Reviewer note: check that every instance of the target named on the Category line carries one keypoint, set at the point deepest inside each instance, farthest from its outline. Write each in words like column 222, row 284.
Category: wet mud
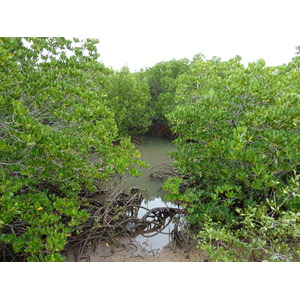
column 129, row 250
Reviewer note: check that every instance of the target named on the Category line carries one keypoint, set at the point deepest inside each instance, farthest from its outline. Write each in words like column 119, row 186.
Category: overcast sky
column 162, row 30
column 140, row 33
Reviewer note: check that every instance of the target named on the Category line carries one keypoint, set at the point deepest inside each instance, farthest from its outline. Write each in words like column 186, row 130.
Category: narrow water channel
column 155, row 152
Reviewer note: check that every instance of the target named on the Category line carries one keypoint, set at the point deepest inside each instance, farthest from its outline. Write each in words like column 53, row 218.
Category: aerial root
column 111, row 217
column 118, row 217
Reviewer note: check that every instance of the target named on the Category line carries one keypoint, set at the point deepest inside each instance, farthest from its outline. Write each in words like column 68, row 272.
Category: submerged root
column 163, row 171
column 118, row 217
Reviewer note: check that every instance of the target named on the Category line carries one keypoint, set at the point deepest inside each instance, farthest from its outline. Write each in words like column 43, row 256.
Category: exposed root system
column 114, row 218
column 114, row 215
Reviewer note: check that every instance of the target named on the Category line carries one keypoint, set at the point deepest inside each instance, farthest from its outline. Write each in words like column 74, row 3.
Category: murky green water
column 155, row 152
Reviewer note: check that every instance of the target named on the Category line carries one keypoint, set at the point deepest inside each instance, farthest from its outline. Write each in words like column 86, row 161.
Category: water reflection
column 155, row 237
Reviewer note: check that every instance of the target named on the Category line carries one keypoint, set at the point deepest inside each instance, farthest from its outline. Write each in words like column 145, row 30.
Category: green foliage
column 52, row 120
column 162, row 82
column 262, row 237
column 239, row 144
column 128, row 97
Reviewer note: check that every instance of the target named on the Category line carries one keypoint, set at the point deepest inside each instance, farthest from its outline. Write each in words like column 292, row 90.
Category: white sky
column 162, row 30
column 140, row 33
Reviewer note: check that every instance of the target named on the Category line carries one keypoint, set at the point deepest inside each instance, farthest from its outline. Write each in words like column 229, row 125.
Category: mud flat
column 129, row 250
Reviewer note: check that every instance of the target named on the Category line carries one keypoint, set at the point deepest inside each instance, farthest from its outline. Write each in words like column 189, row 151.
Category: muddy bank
column 128, row 250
